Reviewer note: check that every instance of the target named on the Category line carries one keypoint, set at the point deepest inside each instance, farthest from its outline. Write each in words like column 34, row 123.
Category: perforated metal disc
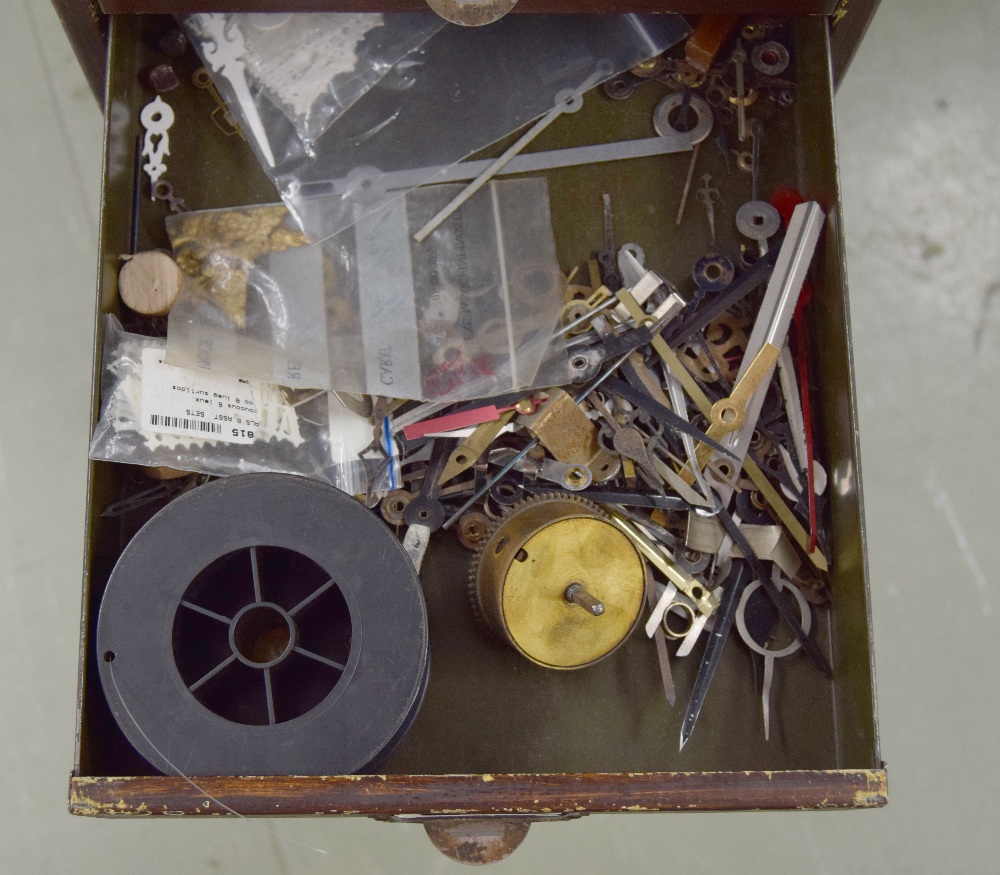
column 263, row 624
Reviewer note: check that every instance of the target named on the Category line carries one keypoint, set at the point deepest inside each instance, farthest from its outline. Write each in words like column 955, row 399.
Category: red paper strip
column 452, row 421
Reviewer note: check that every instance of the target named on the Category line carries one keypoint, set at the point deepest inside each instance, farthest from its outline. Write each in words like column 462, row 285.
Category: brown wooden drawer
column 497, row 737
column 741, row 7
column 85, row 21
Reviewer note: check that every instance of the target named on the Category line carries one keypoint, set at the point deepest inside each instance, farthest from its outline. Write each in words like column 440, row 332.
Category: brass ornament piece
column 649, row 68
column 749, row 99
column 218, row 248
column 726, row 341
column 558, row 582
column 564, row 429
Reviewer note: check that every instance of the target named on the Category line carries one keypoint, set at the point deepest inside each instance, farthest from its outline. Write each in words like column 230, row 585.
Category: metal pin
column 708, row 195
column 577, row 595
column 136, row 188
column 609, row 230
column 590, row 314
column 739, row 58
column 757, row 132
column 607, row 256
column 567, row 101
column 687, row 182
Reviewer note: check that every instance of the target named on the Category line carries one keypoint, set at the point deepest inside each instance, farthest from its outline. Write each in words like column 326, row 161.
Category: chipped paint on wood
column 79, row 803
column 469, row 795
column 875, row 794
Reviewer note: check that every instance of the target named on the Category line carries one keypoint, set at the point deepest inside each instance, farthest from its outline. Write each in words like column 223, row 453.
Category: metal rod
column 724, row 616
column 565, row 102
column 577, row 595
column 687, row 183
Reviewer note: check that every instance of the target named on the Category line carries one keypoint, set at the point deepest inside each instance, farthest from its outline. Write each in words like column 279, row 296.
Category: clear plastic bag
column 463, row 90
column 470, row 312
column 154, row 414
column 306, row 68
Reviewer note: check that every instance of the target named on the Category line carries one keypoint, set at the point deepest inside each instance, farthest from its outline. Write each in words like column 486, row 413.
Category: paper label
column 388, row 302
column 181, row 401
column 415, row 543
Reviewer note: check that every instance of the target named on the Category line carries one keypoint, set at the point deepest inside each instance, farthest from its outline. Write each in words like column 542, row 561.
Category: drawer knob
column 477, row 841
column 472, row 13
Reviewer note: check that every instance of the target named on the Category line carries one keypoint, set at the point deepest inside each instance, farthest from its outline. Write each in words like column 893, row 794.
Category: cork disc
column 150, row 282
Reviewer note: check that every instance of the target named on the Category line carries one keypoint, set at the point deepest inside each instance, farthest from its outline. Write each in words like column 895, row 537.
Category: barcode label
column 191, row 403
column 176, row 422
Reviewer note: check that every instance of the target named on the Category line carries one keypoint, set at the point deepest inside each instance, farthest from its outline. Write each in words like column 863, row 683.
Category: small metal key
column 708, row 195
column 759, row 221
column 164, row 191
column 629, row 443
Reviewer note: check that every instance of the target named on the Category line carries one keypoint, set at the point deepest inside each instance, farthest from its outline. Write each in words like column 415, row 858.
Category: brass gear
column 473, row 529
column 543, row 551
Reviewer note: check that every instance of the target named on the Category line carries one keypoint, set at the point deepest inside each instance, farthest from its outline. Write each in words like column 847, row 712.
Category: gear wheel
column 477, row 554
column 472, row 586
column 558, row 582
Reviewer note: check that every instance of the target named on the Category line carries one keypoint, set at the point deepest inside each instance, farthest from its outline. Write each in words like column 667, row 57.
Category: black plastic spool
column 264, row 625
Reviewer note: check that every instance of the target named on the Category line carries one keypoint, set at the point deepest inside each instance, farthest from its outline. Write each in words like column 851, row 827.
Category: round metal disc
column 770, row 58
column 713, row 273
column 664, row 126
column 758, row 220
column 264, row 624
column 540, row 621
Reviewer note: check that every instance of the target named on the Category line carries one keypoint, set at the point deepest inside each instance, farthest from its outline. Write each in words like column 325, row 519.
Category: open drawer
column 498, row 737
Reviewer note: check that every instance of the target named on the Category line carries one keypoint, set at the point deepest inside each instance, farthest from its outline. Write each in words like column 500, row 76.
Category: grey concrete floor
column 920, row 150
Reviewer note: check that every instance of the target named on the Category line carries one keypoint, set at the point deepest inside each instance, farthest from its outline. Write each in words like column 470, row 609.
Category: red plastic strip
column 785, row 200
column 452, row 421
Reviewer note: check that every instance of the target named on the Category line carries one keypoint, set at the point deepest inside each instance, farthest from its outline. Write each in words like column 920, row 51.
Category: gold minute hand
column 729, row 414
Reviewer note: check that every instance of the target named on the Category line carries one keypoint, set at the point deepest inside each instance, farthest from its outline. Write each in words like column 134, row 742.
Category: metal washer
column 702, row 128
column 758, row 220
column 770, row 58
column 383, row 681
